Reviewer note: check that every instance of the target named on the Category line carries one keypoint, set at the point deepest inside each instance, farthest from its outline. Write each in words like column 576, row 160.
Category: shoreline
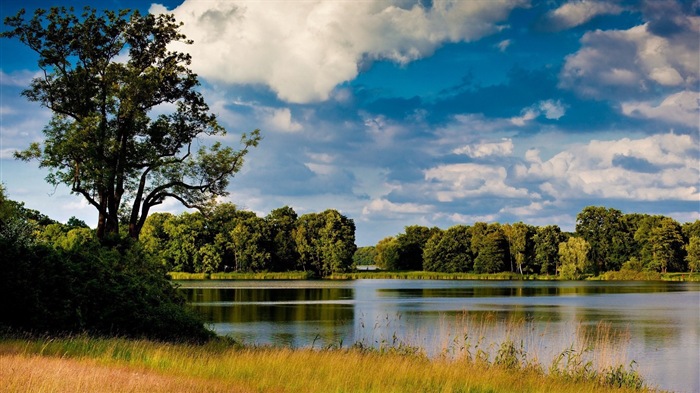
column 423, row 275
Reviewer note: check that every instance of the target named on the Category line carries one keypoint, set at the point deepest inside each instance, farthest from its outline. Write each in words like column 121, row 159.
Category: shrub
column 115, row 290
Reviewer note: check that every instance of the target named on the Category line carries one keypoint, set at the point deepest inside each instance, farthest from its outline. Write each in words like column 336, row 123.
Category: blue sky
column 427, row 112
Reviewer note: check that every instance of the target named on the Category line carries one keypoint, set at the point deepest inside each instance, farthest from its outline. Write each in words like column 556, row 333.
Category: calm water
column 656, row 324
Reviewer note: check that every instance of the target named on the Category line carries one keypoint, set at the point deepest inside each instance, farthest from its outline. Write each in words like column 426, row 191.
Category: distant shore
column 423, row 275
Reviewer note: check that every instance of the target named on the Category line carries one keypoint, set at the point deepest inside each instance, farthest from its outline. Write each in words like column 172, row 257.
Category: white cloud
column 526, row 115
column 681, row 108
column 552, row 110
column 578, row 12
column 659, row 167
column 468, row 218
column 321, row 164
column 302, row 50
column 503, row 45
column 372, row 182
column 280, row 119
column 456, row 181
column 627, row 63
column 533, row 209
column 385, row 207
column 486, row 149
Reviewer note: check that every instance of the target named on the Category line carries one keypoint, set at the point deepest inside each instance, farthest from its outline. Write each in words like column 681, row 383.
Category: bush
column 90, row 288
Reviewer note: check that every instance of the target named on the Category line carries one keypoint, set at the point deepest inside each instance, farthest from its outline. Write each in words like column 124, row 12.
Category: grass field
column 108, row 365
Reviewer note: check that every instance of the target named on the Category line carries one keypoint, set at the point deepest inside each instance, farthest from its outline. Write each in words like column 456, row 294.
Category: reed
column 241, row 276
column 469, row 363
column 423, row 275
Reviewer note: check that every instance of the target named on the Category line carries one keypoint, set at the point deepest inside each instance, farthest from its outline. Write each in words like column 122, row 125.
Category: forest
column 228, row 239
column 604, row 240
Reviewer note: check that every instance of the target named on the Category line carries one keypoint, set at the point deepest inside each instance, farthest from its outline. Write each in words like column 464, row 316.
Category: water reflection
column 657, row 324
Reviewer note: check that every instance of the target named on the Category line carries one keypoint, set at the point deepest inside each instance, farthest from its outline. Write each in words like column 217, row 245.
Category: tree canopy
column 126, row 113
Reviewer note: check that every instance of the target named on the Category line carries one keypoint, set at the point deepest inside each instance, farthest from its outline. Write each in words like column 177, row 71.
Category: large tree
column 607, row 233
column 108, row 78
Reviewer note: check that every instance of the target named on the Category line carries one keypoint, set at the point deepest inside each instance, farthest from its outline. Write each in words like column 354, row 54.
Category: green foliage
column 103, row 73
column 411, row 246
column 251, row 244
column 325, row 242
column 87, row 287
column 667, row 246
column 387, row 254
column 547, row 241
column 449, row 251
column 607, row 233
column 493, row 252
column 573, row 255
column 693, row 254
column 364, row 256
column 281, row 223
column 521, row 245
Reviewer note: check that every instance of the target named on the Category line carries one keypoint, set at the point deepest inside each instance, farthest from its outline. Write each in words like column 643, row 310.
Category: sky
column 432, row 113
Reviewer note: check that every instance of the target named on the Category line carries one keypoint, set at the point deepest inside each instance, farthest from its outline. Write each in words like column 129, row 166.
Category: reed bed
column 241, row 276
column 467, row 363
column 423, row 275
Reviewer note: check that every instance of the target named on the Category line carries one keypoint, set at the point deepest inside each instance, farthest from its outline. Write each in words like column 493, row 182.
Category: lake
column 656, row 324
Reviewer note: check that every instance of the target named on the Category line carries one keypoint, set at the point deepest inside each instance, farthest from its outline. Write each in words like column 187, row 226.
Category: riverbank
column 423, row 275
column 105, row 365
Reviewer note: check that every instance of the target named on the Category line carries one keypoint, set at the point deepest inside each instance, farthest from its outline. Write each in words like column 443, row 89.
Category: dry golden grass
column 32, row 373
column 96, row 365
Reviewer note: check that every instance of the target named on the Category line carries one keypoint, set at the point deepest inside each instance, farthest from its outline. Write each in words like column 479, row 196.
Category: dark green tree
column 387, row 253
column 644, row 252
column 606, row 231
column 547, row 241
column 691, row 229
column 692, row 257
column 493, row 253
column 104, row 141
column 281, row 223
column 364, row 256
column 411, row 245
column 325, row 242
column 667, row 246
column 251, row 239
column 449, row 251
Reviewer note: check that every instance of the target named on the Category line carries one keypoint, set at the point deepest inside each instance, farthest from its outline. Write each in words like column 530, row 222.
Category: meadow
column 82, row 363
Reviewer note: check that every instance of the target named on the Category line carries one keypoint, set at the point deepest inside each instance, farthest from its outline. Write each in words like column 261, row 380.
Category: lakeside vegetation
column 103, row 365
column 423, row 275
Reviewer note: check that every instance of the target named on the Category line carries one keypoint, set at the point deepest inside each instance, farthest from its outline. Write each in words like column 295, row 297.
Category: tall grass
column 242, row 276
column 469, row 363
column 423, row 275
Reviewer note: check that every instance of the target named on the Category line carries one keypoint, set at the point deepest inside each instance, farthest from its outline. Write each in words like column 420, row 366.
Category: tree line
column 229, row 239
column 604, row 240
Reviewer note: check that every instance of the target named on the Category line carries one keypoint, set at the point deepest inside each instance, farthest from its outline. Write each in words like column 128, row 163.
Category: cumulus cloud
column 302, row 50
column 385, row 207
column 659, row 167
column 321, row 164
column 280, row 119
column 681, row 108
column 486, row 149
column 456, row 181
column 578, row 12
column 633, row 62
column 552, row 110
